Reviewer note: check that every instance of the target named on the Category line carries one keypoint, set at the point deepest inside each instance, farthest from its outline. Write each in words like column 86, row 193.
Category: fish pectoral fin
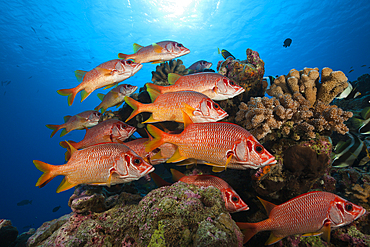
column 188, row 110
column 186, row 119
column 176, row 157
column 326, row 231
column 65, row 185
column 101, row 96
column 106, row 72
column 273, row 239
column 157, row 48
column 111, row 171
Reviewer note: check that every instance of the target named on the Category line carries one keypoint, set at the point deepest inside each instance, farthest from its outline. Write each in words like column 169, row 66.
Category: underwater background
column 44, row 42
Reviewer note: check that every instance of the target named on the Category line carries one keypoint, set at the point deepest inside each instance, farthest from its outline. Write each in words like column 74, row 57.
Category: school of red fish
column 104, row 157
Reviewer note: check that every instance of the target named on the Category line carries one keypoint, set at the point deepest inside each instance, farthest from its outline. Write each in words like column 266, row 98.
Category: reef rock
column 160, row 75
column 177, row 215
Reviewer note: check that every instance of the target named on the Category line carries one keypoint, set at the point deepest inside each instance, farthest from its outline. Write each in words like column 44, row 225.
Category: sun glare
column 172, row 9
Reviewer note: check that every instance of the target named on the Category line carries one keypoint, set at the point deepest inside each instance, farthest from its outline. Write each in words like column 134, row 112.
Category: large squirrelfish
column 115, row 97
column 110, row 130
column 80, row 121
column 214, row 85
column 169, row 107
column 233, row 202
column 219, row 144
column 311, row 214
column 106, row 75
column 101, row 164
column 157, row 52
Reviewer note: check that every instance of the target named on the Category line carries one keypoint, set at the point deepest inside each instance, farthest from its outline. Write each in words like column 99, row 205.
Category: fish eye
column 349, row 207
column 180, row 45
column 129, row 62
column 232, row 83
column 137, row 161
column 235, row 199
column 216, row 106
column 258, row 149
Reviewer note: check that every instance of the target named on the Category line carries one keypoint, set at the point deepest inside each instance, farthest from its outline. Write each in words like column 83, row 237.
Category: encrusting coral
column 299, row 109
column 160, row 75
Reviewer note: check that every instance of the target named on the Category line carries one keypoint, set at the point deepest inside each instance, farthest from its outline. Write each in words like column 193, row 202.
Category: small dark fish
column 4, row 92
column 56, row 209
column 20, row 46
column 351, row 67
column 225, row 54
column 350, row 71
column 363, row 65
column 5, row 83
column 287, row 42
column 24, row 202
column 47, row 38
column 33, row 29
column 30, row 77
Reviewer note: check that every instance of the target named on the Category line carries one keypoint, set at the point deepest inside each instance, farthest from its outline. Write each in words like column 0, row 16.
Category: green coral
column 158, row 237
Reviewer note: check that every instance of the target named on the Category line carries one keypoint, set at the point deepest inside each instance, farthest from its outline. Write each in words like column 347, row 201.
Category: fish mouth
column 242, row 209
column 148, row 170
column 271, row 161
column 363, row 211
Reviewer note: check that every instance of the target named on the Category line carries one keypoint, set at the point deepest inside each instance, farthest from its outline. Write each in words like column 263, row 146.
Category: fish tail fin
column 48, row 170
column 248, row 230
column 71, row 93
column 157, row 138
column 135, row 105
column 54, row 127
column 158, row 180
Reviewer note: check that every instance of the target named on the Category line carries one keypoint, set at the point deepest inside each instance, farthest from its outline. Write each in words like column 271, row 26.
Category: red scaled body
column 312, row 213
column 219, row 144
column 214, row 85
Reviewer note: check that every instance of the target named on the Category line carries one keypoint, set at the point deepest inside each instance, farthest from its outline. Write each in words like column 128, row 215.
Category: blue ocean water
column 44, row 42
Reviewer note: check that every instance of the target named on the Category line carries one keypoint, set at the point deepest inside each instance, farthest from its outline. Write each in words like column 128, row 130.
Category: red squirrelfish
column 80, row 121
column 233, row 202
column 169, row 107
column 214, row 85
column 110, row 130
column 115, row 97
column 313, row 213
column 218, row 144
column 106, row 75
column 199, row 66
column 101, row 164
column 157, row 52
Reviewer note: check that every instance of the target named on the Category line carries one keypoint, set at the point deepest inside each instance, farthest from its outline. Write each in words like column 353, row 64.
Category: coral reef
column 290, row 116
column 160, row 75
column 177, row 215
column 8, row 233
column 248, row 74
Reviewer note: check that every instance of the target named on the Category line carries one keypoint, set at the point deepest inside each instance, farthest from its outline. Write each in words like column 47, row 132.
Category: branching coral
column 160, row 75
column 291, row 116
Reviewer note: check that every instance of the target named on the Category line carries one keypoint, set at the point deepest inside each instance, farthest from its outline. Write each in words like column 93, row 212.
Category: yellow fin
column 80, row 75
column 187, row 120
column 135, row 105
column 63, row 133
column 104, row 71
column 218, row 50
column 312, row 234
column 326, row 232
column 72, row 148
column 176, row 175
column 218, row 168
column 157, row 48
column 228, row 161
column 150, row 120
column 176, row 157
column 137, row 47
column 101, row 96
column 172, row 78
column 267, row 205
column 272, row 239
column 111, row 85
column 153, row 93
column 84, row 95
column 365, row 113
column 66, row 118
column 157, row 156
column 188, row 109
column 65, row 185
column 158, row 61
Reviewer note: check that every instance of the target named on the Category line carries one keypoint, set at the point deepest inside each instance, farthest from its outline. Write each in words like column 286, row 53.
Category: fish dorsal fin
column 157, row 48
column 137, row 47
column 72, row 148
column 272, row 239
column 153, row 94
column 66, row 118
column 158, row 180
column 176, row 175
column 80, row 75
column 172, row 78
column 267, row 205
column 103, row 71
column 365, row 113
column 326, row 231
column 101, row 96
column 187, row 120
column 176, row 157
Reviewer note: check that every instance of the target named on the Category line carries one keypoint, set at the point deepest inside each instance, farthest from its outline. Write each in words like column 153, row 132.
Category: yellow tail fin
column 135, row 105
column 71, row 93
column 47, row 169
column 54, row 127
column 157, row 138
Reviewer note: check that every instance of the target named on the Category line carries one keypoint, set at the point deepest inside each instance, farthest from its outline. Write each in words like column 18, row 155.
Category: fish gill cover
column 296, row 114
